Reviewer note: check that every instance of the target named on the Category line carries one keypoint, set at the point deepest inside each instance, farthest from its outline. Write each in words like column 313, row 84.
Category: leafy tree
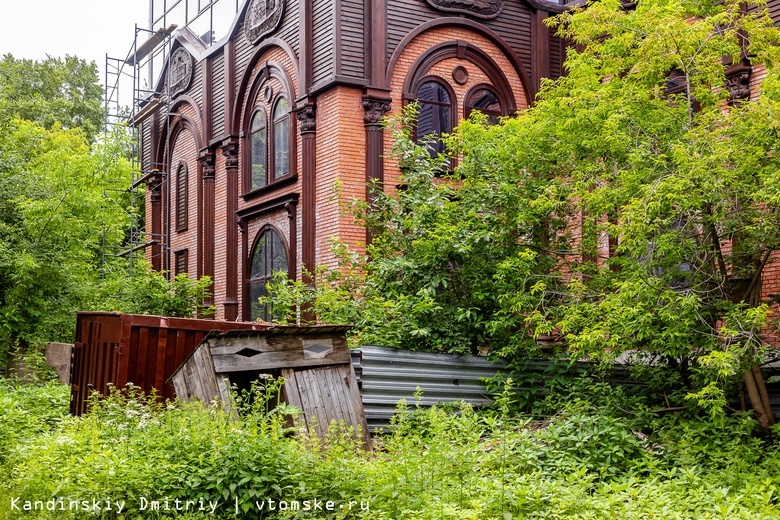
column 684, row 185
column 52, row 91
column 448, row 252
column 151, row 292
column 684, row 189
column 56, row 213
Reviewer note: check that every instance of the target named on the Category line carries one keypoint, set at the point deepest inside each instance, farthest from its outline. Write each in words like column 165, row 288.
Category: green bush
column 435, row 463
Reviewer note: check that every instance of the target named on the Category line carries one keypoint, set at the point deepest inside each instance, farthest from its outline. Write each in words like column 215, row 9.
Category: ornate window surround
column 257, row 97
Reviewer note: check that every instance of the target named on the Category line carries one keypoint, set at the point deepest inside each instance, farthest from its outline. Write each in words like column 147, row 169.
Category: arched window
column 281, row 116
column 486, row 101
column 181, row 197
column 259, row 140
column 435, row 115
column 268, row 256
column 270, row 154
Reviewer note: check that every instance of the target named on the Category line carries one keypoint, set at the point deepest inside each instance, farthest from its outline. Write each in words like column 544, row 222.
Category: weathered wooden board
column 326, row 394
column 282, row 351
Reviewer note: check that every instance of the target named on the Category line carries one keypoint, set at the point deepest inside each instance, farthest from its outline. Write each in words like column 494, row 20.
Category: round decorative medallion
column 262, row 17
column 181, row 66
column 460, row 75
column 268, row 93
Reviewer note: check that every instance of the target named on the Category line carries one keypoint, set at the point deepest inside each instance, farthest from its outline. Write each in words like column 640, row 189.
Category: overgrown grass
column 584, row 462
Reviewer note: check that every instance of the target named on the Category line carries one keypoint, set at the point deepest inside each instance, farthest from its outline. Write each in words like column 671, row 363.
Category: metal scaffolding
column 139, row 74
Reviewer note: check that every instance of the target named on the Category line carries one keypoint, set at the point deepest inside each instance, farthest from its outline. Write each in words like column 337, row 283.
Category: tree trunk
column 759, row 397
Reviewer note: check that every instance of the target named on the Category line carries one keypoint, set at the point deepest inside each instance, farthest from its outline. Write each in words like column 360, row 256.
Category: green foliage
column 147, row 291
column 446, row 252
column 27, row 411
column 52, row 92
column 55, row 218
column 589, row 461
column 682, row 185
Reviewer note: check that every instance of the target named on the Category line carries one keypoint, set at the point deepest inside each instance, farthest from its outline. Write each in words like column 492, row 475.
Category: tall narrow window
column 435, row 116
column 486, row 101
column 259, row 141
column 181, row 197
column 268, row 257
column 281, row 138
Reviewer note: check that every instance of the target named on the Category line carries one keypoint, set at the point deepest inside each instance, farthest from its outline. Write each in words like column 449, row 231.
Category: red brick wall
column 341, row 159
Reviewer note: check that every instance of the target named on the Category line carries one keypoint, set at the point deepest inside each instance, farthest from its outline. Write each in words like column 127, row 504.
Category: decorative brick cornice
column 374, row 109
column 307, row 118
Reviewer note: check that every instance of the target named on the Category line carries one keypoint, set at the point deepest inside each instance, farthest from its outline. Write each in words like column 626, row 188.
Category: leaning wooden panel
column 314, row 361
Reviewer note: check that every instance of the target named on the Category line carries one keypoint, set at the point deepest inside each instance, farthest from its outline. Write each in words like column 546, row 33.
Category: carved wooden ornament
column 480, row 8
column 181, row 71
column 262, row 17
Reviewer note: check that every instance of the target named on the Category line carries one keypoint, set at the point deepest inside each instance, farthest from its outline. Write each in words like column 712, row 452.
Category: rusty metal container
column 143, row 350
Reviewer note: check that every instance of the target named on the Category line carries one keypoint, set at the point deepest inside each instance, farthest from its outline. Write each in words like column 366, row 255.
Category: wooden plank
column 223, row 386
column 291, row 395
column 277, row 359
column 312, row 401
column 179, row 383
column 208, row 375
column 357, row 401
column 205, row 375
column 339, row 408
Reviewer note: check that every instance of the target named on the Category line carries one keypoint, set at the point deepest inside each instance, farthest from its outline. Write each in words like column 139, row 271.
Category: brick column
column 230, row 151
column 308, row 124
column 154, row 186
column 206, row 264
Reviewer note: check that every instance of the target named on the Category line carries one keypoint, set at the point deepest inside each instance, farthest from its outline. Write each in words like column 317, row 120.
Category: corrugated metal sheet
column 127, row 348
column 388, row 375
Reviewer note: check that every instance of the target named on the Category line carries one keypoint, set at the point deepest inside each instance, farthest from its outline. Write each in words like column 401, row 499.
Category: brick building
column 261, row 126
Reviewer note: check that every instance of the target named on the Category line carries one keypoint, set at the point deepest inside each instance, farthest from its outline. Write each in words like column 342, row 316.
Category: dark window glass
column 281, row 138
column 259, row 150
column 435, row 116
column 268, row 257
column 485, row 101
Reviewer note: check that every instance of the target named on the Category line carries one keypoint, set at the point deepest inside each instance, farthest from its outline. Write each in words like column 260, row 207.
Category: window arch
column 485, row 99
column 269, row 255
column 258, row 149
column 436, row 113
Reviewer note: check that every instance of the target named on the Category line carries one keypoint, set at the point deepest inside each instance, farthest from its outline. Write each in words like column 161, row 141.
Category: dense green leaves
column 55, row 221
column 590, row 460
column 631, row 209
column 52, row 91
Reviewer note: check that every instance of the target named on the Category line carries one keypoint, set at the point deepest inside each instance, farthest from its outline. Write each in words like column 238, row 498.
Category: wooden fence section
column 114, row 348
column 314, row 361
